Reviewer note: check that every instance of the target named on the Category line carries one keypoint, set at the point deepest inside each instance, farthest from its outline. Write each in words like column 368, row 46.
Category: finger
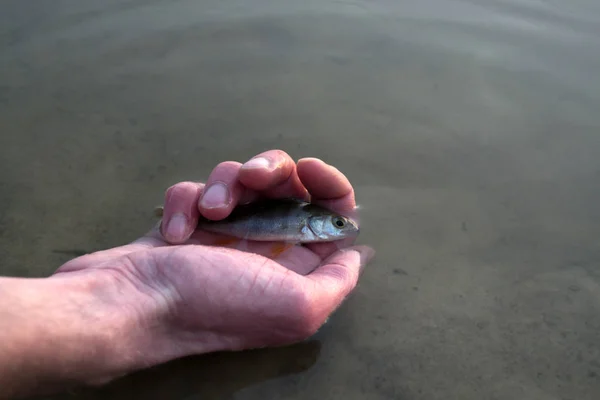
column 180, row 214
column 299, row 259
column 222, row 191
column 337, row 276
column 326, row 249
column 326, row 184
column 273, row 173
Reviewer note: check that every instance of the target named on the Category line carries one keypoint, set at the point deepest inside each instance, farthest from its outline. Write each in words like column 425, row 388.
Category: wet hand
column 232, row 297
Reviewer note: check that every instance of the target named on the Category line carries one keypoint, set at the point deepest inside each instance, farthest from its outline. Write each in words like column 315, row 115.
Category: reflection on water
column 469, row 128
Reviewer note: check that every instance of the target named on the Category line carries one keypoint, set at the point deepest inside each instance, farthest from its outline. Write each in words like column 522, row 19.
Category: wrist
column 132, row 317
column 84, row 327
column 121, row 326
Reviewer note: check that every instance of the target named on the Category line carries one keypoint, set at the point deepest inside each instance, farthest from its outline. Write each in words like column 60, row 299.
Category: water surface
column 470, row 130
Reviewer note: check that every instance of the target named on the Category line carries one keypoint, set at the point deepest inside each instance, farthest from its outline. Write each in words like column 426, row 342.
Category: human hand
column 208, row 298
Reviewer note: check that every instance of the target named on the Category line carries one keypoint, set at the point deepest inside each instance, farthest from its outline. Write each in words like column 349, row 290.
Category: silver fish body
column 285, row 220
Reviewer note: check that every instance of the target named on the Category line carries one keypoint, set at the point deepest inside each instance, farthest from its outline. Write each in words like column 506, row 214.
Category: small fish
column 281, row 220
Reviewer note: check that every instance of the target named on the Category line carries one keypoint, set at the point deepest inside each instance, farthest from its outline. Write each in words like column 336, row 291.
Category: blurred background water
column 470, row 130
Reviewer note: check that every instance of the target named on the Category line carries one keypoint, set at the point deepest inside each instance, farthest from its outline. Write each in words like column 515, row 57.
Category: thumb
column 338, row 275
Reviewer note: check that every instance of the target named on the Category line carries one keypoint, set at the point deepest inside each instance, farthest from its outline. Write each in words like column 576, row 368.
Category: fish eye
column 339, row 222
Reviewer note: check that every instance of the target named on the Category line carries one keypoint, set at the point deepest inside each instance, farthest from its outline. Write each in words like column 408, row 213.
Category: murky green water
column 471, row 130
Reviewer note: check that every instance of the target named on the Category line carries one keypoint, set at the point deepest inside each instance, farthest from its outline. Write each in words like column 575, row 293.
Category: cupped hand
column 220, row 295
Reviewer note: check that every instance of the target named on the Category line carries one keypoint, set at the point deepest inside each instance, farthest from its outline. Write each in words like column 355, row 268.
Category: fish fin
column 279, row 248
column 158, row 211
column 225, row 241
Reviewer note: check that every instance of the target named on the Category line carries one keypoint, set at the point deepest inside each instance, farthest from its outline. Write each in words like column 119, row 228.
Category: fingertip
column 180, row 212
column 216, row 201
column 347, row 264
column 309, row 160
column 340, row 270
column 222, row 191
column 367, row 253
column 355, row 256
column 177, row 228
column 266, row 170
column 314, row 162
column 182, row 189
column 326, row 184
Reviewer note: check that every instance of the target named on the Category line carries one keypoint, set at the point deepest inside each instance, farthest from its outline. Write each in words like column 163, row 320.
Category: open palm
column 225, row 294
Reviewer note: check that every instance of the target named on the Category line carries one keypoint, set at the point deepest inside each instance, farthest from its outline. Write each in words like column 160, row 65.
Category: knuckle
column 181, row 188
column 338, row 271
column 228, row 166
column 281, row 153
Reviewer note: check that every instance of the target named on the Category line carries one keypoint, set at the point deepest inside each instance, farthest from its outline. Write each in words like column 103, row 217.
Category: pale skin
column 172, row 293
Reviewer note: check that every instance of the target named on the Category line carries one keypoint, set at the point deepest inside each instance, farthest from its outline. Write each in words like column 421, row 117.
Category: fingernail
column 216, row 196
column 258, row 163
column 177, row 226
